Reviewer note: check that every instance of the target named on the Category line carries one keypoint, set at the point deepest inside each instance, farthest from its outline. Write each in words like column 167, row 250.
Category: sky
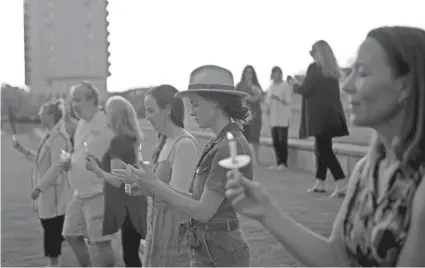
column 161, row 41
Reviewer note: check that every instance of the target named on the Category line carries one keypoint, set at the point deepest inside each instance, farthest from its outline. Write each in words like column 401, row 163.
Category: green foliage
column 136, row 97
column 26, row 105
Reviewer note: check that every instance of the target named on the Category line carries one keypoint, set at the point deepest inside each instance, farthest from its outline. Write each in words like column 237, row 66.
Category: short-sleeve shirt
column 118, row 204
column 96, row 134
column 209, row 174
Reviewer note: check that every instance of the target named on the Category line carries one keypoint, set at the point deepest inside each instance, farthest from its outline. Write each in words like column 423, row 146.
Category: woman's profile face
column 45, row 118
column 154, row 114
column 375, row 94
column 203, row 111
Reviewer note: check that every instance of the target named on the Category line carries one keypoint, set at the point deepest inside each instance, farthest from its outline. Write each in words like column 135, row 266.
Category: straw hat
column 211, row 78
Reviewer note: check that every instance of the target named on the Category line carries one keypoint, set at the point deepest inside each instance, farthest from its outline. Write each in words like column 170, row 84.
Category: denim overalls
column 220, row 241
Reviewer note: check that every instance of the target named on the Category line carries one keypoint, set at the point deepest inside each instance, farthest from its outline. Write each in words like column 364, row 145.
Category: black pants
column 326, row 158
column 280, row 144
column 53, row 236
column 130, row 240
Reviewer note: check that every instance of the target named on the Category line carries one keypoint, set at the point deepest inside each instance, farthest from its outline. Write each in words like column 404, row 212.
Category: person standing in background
column 322, row 115
column 278, row 105
column 252, row 130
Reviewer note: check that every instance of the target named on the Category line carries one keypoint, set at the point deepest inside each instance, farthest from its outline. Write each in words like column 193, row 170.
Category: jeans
column 218, row 249
column 280, row 144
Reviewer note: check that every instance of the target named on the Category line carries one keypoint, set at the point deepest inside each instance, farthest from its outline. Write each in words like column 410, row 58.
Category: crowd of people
column 90, row 179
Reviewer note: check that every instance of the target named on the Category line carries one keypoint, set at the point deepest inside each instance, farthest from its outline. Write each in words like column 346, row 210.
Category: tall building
column 66, row 41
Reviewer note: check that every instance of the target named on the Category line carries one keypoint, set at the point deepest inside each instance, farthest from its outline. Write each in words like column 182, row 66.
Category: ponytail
column 157, row 150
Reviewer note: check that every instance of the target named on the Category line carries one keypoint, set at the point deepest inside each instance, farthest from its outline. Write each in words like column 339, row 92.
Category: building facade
column 66, row 42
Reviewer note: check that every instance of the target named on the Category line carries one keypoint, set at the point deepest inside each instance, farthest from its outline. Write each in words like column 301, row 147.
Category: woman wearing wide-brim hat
column 213, row 233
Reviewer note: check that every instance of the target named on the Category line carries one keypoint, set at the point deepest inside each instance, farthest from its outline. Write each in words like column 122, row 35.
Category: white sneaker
column 281, row 167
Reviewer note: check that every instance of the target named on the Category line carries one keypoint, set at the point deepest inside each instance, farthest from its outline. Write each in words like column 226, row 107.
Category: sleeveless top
column 375, row 228
column 162, row 168
column 163, row 221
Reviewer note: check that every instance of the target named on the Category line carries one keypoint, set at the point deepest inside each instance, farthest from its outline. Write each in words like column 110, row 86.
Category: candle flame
column 230, row 136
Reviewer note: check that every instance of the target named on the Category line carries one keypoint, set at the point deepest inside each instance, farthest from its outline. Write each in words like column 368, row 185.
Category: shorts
column 84, row 217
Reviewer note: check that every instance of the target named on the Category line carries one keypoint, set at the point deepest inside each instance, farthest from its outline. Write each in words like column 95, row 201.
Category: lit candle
column 232, row 147
column 86, row 148
column 140, row 155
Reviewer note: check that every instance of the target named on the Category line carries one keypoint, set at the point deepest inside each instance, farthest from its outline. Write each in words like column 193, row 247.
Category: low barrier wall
column 301, row 152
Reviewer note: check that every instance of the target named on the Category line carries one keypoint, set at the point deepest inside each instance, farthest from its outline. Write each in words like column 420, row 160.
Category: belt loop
column 228, row 227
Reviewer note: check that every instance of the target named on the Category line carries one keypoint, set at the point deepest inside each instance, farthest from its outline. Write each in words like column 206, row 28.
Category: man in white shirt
column 84, row 215
column 278, row 103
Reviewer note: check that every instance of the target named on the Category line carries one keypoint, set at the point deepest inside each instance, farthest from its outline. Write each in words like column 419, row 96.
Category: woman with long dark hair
column 213, row 231
column 381, row 220
column 173, row 161
column 252, row 129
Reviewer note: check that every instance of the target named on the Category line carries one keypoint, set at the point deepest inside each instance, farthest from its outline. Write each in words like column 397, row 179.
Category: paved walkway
column 287, row 187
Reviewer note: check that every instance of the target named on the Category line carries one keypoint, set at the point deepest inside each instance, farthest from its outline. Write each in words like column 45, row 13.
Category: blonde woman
column 51, row 188
column 322, row 115
column 122, row 211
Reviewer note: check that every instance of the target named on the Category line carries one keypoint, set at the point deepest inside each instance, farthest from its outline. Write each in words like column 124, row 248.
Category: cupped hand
column 248, row 197
column 143, row 174
column 124, row 175
column 65, row 164
column 91, row 163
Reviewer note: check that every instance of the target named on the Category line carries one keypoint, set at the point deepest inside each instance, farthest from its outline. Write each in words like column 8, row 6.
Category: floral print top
column 375, row 227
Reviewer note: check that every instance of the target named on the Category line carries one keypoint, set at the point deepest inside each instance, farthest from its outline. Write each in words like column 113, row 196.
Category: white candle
column 140, row 155
column 86, row 149
column 232, row 147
